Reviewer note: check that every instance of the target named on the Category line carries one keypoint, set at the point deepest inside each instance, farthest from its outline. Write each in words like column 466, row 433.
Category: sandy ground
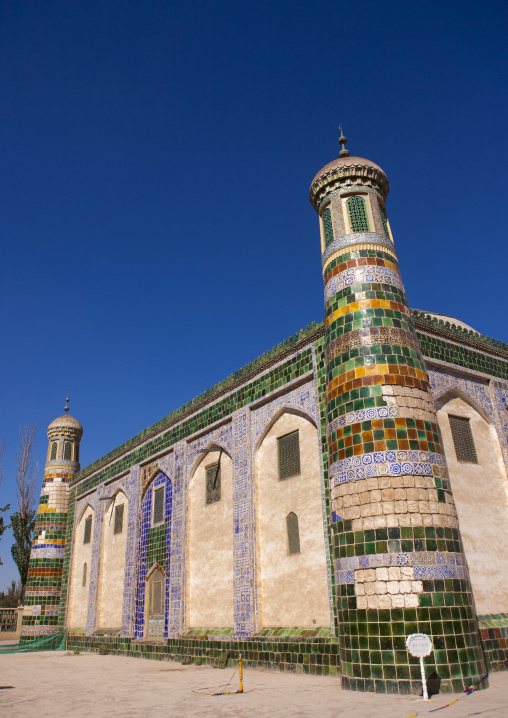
column 55, row 684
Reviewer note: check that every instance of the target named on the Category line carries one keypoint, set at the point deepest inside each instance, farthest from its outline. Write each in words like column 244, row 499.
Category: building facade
column 345, row 489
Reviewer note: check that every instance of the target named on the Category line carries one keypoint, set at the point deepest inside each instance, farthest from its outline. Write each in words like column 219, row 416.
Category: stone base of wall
column 494, row 633
column 303, row 652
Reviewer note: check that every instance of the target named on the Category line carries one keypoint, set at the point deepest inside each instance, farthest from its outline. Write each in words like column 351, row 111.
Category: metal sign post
column 419, row 645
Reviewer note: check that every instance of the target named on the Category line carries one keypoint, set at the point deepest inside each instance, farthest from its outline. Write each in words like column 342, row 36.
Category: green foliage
column 11, row 598
column 103, row 651
column 23, row 529
column 3, row 525
column 198, row 661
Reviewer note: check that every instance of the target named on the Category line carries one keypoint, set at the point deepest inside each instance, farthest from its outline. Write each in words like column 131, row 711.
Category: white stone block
column 385, row 601
column 394, row 573
column 411, row 600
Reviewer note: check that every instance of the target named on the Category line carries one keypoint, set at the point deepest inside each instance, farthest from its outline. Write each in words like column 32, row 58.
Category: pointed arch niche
column 292, row 587
column 112, row 565
column 210, row 542
column 480, row 493
column 81, row 554
column 154, row 548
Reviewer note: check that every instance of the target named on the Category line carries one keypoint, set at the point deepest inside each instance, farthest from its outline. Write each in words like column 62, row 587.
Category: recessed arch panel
column 282, row 573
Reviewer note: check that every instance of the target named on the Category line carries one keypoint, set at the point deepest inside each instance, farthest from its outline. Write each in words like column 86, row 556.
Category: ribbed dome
column 341, row 162
column 66, row 421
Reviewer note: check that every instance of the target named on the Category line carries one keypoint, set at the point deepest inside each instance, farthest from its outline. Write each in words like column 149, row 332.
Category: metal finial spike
column 67, row 402
column 342, row 142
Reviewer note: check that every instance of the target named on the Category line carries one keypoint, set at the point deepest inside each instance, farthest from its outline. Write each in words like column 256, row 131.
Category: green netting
column 54, row 642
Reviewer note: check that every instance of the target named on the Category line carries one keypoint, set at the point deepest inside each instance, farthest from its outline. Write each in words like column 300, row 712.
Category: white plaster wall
column 480, row 496
column 292, row 590
column 112, row 567
column 82, row 553
column 210, row 549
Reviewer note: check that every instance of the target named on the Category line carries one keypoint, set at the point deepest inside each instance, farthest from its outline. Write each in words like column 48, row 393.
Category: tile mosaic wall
column 154, row 548
column 399, row 563
column 494, row 633
column 46, row 569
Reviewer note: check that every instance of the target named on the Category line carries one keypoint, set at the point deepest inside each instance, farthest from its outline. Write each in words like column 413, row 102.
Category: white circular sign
column 419, row 645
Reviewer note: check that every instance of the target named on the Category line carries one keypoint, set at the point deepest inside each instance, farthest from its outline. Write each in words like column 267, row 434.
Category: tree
column 23, row 520
column 3, row 525
column 10, row 599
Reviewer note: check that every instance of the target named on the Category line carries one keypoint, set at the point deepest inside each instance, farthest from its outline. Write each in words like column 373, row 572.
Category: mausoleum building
column 344, row 490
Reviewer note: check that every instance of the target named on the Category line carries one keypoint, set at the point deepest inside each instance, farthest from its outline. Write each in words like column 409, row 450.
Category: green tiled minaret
column 43, row 590
column 399, row 565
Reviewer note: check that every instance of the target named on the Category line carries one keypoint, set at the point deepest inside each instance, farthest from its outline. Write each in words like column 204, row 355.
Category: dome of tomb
column 447, row 318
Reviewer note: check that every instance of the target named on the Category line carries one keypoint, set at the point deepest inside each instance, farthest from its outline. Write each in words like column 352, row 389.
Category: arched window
column 76, row 452
column 83, row 582
column 327, row 226
column 293, row 533
column 357, row 213
column 384, row 221
column 53, row 451
column 67, row 451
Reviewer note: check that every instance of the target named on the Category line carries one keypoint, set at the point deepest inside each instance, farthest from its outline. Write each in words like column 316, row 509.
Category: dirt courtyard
column 54, row 684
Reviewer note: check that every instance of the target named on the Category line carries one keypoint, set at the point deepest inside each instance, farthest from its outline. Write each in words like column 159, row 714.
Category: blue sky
column 156, row 157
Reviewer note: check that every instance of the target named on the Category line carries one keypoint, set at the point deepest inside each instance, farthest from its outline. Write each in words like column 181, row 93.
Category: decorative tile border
column 385, row 463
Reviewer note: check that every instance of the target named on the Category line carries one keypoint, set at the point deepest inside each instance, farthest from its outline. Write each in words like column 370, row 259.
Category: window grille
column 158, row 506
column 213, row 484
column 53, row 451
column 83, row 582
column 157, row 598
column 293, row 532
column 327, row 226
column 384, row 221
column 463, row 442
column 88, row 530
column 289, row 455
column 118, row 519
column 67, row 450
column 357, row 212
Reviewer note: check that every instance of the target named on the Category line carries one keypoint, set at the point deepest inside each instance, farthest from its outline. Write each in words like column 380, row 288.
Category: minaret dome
column 64, row 435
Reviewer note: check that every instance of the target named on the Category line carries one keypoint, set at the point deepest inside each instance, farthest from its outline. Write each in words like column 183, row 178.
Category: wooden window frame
column 292, row 536
column 461, row 442
column 115, row 520
column 281, row 439
column 87, row 533
column 163, row 489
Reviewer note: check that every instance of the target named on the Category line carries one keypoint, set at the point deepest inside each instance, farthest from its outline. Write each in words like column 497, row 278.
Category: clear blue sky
column 156, row 157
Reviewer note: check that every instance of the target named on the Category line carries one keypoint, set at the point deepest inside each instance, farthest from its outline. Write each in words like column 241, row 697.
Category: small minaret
column 399, row 561
column 42, row 596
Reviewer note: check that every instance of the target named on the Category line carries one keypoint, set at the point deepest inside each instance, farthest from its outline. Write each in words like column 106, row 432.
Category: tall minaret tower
column 42, row 596
column 399, row 561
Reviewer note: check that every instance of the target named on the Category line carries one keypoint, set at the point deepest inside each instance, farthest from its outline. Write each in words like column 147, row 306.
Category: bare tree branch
column 27, row 470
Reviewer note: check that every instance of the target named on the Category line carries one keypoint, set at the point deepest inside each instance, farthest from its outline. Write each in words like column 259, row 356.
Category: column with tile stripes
column 399, row 561
column 43, row 589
